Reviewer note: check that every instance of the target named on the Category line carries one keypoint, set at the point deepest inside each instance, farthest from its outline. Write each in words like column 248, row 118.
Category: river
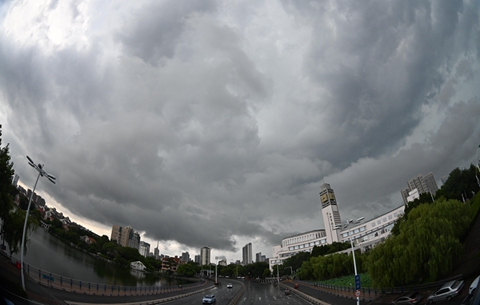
column 50, row 254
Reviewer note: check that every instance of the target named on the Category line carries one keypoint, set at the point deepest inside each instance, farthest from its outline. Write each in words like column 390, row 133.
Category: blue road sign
column 357, row 281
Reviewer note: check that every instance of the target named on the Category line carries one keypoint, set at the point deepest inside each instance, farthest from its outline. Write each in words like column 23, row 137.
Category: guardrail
column 56, row 281
column 370, row 294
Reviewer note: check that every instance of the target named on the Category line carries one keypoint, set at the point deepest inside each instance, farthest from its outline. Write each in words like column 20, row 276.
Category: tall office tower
column 156, row 252
column 144, row 248
column 330, row 213
column 134, row 240
column 423, row 184
column 205, row 256
column 259, row 258
column 125, row 236
column 185, row 257
column 116, row 233
column 197, row 259
column 432, row 186
column 247, row 254
column 40, row 201
column 15, row 179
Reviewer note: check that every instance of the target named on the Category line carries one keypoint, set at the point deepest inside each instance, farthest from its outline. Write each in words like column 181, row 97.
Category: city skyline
column 215, row 123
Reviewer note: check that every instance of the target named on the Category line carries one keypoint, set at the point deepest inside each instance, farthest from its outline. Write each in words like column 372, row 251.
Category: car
column 209, row 299
column 410, row 298
column 287, row 291
column 229, row 285
column 474, row 285
column 446, row 292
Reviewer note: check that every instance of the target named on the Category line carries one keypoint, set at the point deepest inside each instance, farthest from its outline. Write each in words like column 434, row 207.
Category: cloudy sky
column 214, row 123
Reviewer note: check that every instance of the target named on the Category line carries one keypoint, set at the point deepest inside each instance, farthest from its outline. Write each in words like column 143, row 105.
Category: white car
column 474, row 285
column 229, row 285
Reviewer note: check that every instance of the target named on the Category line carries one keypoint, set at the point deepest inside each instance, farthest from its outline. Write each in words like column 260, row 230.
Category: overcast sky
column 214, row 123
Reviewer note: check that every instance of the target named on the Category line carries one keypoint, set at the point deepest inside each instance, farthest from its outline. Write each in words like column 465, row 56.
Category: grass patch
column 349, row 281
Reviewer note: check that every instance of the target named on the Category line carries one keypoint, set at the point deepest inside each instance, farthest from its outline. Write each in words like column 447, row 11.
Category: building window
column 384, row 219
column 373, row 224
column 362, row 229
column 379, row 222
column 390, row 217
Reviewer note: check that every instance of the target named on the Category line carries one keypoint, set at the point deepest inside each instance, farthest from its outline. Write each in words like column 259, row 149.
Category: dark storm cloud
column 215, row 123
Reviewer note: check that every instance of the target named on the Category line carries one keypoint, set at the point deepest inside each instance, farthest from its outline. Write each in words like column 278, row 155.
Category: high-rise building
column 330, row 213
column 15, row 179
column 205, row 256
column 144, row 248
column 247, row 256
column 156, row 252
column 197, row 259
column 423, row 185
column 125, row 236
column 259, row 258
column 185, row 257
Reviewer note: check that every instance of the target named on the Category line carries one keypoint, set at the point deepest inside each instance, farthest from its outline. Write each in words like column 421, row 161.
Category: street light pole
column 350, row 233
column 51, row 178
column 355, row 267
column 278, row 280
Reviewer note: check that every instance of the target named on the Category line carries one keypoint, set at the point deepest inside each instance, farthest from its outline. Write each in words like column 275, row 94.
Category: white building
column 205, row 256
column 365, row 235
column 144, row 248
column 137, row 265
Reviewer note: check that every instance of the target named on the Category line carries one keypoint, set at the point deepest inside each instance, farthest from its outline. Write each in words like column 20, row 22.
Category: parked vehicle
column 474, row 285
column 446, row 292
column 411, row 298
column 209, row 299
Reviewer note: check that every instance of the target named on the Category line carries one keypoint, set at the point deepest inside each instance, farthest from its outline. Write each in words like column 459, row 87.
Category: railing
column 73, row 285
column 369, row 294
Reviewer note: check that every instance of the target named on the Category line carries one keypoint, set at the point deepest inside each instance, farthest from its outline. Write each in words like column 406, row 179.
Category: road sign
column 357, row 293
column 357, row 281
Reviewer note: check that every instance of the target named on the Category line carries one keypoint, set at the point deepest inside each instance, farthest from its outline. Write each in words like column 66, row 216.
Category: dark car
column 209, row 299
column 410, row 298
column 287, row 291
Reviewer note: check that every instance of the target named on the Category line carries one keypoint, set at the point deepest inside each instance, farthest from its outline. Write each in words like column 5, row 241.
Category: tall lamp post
column 357, row 278
column 41, row 172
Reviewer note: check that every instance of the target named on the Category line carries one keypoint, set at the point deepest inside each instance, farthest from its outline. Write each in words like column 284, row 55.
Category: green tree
column 13, row 224
column 186, row 270
column 427, row 247
column 6, row 174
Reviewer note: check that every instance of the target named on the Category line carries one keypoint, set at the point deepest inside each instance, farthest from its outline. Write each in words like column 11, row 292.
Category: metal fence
column 369, row 293
column 74, row 285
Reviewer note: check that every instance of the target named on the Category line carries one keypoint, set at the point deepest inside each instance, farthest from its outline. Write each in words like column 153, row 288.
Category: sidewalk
column 11, row 283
